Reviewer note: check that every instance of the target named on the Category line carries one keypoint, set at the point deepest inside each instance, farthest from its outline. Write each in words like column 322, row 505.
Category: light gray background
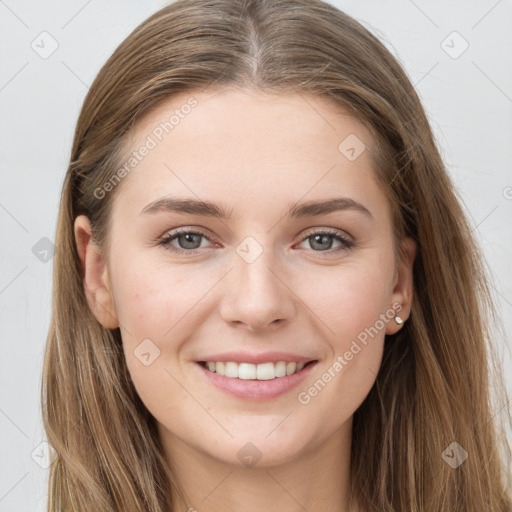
column 468, row 100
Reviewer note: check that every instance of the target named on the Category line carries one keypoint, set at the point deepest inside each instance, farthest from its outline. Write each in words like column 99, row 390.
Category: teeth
column 247, row 371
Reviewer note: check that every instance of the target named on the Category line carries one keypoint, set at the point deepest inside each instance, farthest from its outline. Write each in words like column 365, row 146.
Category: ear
column 404, row 286
column 95, row 275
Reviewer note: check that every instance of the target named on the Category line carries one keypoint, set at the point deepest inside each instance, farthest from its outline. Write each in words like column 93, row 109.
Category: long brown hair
column 433, row 387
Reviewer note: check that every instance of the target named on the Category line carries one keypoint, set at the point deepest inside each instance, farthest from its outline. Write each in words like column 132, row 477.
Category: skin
column 255, row 154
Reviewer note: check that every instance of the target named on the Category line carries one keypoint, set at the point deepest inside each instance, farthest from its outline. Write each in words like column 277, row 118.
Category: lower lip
column 257, row 390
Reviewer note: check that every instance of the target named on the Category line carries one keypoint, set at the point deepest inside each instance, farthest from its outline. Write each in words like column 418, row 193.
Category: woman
column 207, row 351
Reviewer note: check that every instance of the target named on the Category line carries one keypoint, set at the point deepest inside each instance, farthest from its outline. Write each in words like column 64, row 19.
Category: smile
column 255, row 382
column 248, row 371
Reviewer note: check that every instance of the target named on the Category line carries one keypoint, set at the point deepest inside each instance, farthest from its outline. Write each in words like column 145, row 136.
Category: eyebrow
column 197, row 207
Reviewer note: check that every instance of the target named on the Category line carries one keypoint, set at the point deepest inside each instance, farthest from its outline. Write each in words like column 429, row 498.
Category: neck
column 318, row 478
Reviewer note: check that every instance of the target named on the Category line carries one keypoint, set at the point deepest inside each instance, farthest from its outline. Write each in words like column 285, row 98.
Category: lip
column 264, row 357
column 257, row 390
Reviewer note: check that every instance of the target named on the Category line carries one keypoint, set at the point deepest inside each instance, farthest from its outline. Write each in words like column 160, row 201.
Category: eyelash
column 346, row 242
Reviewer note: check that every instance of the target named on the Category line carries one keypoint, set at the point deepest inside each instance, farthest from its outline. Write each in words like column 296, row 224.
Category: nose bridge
column 256, row 295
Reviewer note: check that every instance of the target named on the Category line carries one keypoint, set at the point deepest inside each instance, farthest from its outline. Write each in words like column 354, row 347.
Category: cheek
column 151, row 303
column 160, row 309
column 353, row 305
column 348, row 299
column 154, row 325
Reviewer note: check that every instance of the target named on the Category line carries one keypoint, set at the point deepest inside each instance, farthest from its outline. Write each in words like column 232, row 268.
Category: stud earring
column 399, row 321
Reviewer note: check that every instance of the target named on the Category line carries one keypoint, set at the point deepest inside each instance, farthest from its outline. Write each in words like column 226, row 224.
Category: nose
column 256, row 295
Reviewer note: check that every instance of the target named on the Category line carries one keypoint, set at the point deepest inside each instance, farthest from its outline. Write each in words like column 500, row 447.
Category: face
column 272, row 279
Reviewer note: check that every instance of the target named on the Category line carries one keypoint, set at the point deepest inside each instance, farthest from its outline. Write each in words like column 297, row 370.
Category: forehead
column 247, row 147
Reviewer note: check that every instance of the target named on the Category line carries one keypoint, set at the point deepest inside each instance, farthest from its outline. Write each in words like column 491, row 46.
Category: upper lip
column 264, row 357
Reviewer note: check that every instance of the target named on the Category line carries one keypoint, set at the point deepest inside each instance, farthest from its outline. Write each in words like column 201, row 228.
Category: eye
column 189, row 240
column 321, row 240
